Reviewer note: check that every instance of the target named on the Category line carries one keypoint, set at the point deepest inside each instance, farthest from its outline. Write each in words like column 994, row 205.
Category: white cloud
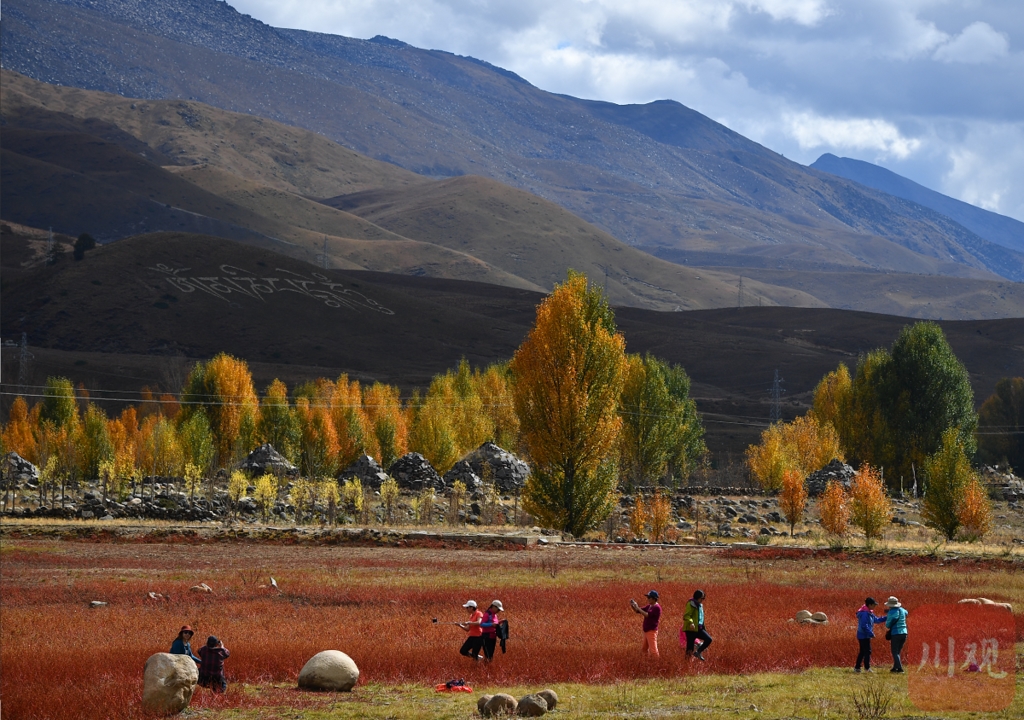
column 881, row 80
column 978, row 43
column 813, row 131
column 804, row 12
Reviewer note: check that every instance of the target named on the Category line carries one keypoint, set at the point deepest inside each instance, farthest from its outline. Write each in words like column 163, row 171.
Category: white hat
column 470, row 604
column 497, row 604
column 892, row 602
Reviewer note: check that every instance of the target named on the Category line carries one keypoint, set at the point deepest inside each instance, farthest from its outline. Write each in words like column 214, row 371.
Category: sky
column 930, row 89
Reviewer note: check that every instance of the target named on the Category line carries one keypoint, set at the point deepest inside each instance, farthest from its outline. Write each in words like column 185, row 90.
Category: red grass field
column 567, row 611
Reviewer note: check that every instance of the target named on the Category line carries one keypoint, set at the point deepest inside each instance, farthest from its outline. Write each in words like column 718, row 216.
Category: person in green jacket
column 693, row 626
column 896, row 624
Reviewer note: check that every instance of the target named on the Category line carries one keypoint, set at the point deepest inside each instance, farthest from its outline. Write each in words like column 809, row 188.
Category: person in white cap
column 489, row 623
column 896, row 631
column 475, row 634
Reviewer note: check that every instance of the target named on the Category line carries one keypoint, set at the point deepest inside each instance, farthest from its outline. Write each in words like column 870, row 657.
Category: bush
column 793, row 499
column 948, row 473
column 834, row 507
column 975, row 511
column 870, row 507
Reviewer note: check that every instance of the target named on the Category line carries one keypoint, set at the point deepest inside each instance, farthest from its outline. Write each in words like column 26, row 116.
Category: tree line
column 586, row 415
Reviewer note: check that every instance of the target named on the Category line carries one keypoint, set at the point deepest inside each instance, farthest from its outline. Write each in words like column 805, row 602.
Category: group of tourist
column 484, row 630
column 697, row 639
column 210, row 661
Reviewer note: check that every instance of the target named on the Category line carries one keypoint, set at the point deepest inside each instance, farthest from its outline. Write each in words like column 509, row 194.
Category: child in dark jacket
column 866, row 621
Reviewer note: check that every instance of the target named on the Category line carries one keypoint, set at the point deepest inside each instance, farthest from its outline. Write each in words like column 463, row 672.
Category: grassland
column 572, row 629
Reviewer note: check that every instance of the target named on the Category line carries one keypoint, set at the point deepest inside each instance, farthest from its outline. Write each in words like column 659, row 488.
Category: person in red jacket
column 211, row 671
column 652, row 618
column 475, row 640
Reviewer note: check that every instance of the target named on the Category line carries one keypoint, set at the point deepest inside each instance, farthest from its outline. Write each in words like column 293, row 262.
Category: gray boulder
column 168, row 683
column 836, row 470
column 365, row 468
column 413, row 472
column 19, row 470
column 550, row 697
column 531, row 706
column 265, row 459
column 329, row 670
column 463, row 471
column 500, row 704
column 506, row 471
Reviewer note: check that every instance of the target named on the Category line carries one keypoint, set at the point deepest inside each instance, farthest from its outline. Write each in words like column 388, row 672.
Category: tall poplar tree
column 567, row 381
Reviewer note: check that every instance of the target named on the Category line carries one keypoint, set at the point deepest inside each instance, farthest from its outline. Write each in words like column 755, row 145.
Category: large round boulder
column 500, row 704
column 819, row 617
column 803, row 616
column 329, row 670
column 481, row 702
column 168, row 683
column 531, row 706
column 550, row 697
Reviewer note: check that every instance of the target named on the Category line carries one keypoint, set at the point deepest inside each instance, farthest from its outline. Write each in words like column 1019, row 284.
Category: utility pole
column 776, row 394
column 24, row 356
column 741, row 292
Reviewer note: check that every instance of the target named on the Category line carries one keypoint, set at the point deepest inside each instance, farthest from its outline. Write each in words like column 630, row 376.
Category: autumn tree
column 277, row 423
column 388, row 431
column 495, row 390
column 318, row 444
column 870, row 507
column 804, row 445
column 160, row 452
column 58, row 406
column 793, row 498
column 948, row 473
column 834, row 508
column 432, row 432
column 196, row 441
column 95, row 441
column 124, row 438
column 661, row 432
column 568, row 376
column 660, row 516
column 351, row 424
column 832, row 402
column 975, row 511
column 1001, row 425
column 18, row 434
column 223, row 389
column 638, row 518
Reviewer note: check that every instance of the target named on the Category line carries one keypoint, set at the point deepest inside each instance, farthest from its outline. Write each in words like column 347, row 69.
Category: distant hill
column 991, row 226
column 133, row 309
column 658, row 176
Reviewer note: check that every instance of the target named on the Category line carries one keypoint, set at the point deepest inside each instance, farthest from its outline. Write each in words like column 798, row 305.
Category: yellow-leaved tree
column 804, row 445
column 223, row 388
column 567, row 380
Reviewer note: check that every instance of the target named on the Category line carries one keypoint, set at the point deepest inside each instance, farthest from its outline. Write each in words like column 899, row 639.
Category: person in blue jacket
column 866, row 621
column 182, row 644
column 896, row 623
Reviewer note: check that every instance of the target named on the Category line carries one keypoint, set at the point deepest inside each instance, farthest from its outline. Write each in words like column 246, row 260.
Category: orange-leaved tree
column 223, row 388
column 18, row 432
column 804, row 445
column 834, row 508
column 661, row 514
column 793, row 498
column 567, row 380
column 870, row 507
column 388, row 432
column 975, row 511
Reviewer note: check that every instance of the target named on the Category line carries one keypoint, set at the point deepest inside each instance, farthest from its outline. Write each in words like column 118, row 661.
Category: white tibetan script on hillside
column 235, row 281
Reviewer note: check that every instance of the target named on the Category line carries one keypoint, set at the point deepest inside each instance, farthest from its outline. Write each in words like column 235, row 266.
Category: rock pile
column 366, row 469
column 413, row 472
column 836, row 470
column 265, row 459
column 532, row 705
column 463, row 471
column 506, row 471
column 19, row 470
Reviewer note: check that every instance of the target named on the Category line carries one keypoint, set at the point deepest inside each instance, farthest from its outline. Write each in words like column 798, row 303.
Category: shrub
column 949, row 473
column 352, row 495
column 870, row 507
column 638, row 518
column 265, row 494
column 660, row 514
column 834, row 507
column 793, row 499
column 389, row 498
column 975, row 511
column 455, row 497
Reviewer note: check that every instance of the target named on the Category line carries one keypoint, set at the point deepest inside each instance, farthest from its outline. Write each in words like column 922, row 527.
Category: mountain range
column 659, row 177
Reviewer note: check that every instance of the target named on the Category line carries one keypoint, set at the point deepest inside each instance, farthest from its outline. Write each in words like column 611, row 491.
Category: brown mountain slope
column 117, row 319
column 658, row 174
column 536, row 239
